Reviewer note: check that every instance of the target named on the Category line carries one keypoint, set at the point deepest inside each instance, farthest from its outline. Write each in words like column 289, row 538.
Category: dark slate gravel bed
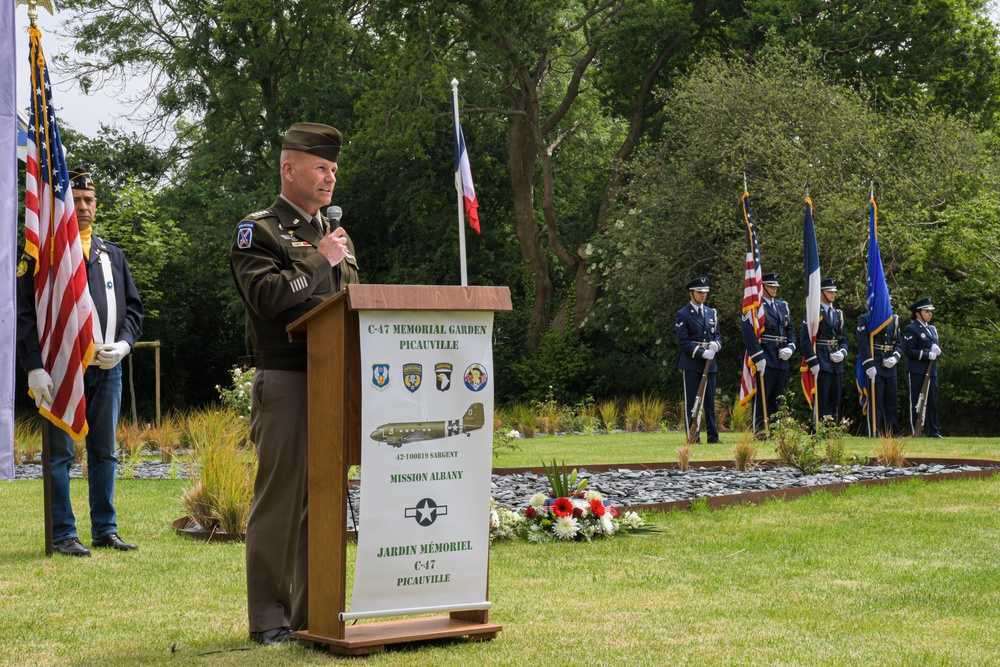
column 144, row 470
column 627, row 488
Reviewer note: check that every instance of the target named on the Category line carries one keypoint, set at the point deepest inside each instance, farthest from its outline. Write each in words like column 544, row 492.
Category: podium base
column 366, row 638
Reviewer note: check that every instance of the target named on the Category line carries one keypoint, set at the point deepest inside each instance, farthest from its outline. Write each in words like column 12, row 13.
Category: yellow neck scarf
column 85, row 237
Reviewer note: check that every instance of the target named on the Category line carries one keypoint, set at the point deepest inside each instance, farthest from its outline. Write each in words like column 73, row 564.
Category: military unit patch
column 412, row 375
column 22, row 268
column 476, row 377
column 380, row 376
column 244, row 234
column 442, row 376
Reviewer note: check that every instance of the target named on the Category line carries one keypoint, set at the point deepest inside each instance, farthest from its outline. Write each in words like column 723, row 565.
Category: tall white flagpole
column 458, row 186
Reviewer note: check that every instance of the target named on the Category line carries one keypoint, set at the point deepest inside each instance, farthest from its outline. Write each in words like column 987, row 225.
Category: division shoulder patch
column 244, row 234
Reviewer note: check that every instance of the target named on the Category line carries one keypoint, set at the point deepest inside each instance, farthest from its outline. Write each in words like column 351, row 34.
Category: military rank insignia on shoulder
column 257, row 215
column 244, row 234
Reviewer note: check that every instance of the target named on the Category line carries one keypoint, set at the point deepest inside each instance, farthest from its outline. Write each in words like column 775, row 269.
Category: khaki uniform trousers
column 277, row 538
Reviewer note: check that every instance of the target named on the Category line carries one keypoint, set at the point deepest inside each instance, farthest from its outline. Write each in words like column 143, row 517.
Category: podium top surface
column 413, row 297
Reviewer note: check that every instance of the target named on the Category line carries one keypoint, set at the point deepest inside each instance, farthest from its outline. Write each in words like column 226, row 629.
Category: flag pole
column 458, row 187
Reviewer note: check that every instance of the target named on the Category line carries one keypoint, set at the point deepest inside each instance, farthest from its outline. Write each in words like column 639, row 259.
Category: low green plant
column 745, row 451
column 633, row 414
column 584, row 416
column 564, row 484
column 549, row 413
column 505, row 441
column 608, row 410
column 236, row 397
column 793, row 445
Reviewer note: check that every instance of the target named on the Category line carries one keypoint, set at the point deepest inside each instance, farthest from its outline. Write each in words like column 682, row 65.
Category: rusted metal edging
column 758, row 497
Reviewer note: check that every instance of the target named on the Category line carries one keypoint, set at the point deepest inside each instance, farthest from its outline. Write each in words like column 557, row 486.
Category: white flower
column 630, row 520
column 566, row 527
column 494, row 519
column 594, row 495
column 607, row 524
column 513, row 434
column 537, row 500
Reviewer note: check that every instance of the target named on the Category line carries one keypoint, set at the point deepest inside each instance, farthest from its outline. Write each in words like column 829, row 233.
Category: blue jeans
column 103, row 390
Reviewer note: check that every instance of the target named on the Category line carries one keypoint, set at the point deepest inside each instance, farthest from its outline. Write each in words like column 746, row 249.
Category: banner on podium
column 426, row 461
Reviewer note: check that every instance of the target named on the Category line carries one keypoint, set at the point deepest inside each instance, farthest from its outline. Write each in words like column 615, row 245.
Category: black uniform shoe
column 112, row 540
column 71, row 547
column 280, row 635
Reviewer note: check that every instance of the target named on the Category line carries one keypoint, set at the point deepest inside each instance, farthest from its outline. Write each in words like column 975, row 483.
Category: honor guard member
column 879, row 364
column 118, row 315
column 697, row 329
column 286, row 261
column 920, row 345
column 772, row 352
column 830, row 352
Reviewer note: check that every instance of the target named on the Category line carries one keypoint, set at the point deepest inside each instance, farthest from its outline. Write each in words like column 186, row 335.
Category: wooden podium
column 333, row 343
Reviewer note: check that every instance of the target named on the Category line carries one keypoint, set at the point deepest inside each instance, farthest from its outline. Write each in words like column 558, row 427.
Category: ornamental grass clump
column 683, row 457
column 131, row 440
column 166, row 437
column 741, row 416
column 524, row 417
column 633, row 414
column 653, row 409
column 608, row 409
column 745, row 451
column 27, row 440
column 223, row 466
column 891, row 451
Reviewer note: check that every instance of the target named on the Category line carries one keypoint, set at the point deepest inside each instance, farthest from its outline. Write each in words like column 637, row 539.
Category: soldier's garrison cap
column 80, row 179
column 315, row 138
column 770, row 279
column 828, row 284
column 697, row 285
column 922, row 304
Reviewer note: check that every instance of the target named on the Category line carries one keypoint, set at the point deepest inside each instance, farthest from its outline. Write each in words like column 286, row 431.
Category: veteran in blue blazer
column 696, row 327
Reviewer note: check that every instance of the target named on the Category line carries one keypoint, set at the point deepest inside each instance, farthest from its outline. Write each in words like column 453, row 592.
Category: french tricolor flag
column 463, row 177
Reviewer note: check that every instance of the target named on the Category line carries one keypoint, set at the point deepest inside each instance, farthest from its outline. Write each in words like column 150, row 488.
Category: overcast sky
column 85, row 113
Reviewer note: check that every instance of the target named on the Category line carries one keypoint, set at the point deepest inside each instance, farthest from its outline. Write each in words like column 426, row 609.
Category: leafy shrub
column 793, row 444
column 237, row 396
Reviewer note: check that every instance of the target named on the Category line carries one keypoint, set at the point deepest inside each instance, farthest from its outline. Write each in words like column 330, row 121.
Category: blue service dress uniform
column 918, row 337
column 830, row 337
column 779, row 332
column 887, row 346
column 694, row 332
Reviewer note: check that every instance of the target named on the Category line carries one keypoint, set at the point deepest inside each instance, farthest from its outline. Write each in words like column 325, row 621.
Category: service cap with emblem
column 770, row 279
column 828, row 284
column 697, row 285
column 315, row 138
column 923, row 303
column 80, row 179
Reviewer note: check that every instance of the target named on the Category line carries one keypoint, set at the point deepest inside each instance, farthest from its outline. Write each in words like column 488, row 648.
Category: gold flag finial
column 33, row 6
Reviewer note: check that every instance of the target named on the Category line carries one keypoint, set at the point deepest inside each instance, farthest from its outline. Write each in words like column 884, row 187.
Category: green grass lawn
column 906, row 574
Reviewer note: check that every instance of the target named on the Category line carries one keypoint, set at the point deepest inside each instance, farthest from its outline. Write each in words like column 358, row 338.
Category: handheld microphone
column 334, row 213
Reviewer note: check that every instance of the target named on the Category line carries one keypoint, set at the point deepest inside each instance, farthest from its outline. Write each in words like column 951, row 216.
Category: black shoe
column 112, row 540
column 280, row 635
column 71, row 546
column 715, row 442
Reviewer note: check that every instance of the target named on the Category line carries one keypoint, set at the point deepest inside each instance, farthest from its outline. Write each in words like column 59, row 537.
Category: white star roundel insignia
column 426, row 512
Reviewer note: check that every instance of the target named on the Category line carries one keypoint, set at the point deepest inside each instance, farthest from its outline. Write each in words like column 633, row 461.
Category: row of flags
column 878, row 307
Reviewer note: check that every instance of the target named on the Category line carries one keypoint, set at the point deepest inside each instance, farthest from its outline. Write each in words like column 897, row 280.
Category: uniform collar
column 294, row 220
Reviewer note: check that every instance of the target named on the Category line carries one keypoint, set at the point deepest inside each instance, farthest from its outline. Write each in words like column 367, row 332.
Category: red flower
column 529, row 513
column 562, row 507
column 597, row 507
column 577, row 512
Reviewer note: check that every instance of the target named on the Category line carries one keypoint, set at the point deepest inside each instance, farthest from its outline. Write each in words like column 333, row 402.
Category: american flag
column 810, row 253
column 753, row 294
column 52, row 237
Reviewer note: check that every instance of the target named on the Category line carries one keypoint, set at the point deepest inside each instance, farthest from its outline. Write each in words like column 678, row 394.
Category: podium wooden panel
column 333, row 350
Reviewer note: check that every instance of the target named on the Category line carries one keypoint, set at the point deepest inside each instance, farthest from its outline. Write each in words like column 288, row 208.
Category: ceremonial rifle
column 699, row 402
column 922, row 400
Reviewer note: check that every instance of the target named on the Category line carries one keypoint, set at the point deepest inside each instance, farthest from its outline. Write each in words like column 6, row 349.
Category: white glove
column 837, row 356
column 111, row 354
column 814, row 370
column 761, row 365
column 936, row 350
column 785, row 353
column 708, row 354
column 889, row 362
column 932, row 355
column 713, row 346
column 40, row 384
column 871, row 372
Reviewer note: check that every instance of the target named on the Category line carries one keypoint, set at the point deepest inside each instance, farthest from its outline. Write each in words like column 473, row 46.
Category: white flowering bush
column 503, row 522
column 237, row 396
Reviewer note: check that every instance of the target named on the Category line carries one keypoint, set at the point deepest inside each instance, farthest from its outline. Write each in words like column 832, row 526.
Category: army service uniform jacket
column 281, row 276
column 830, row 336
column 918, row 337
column 128, row 308
column 779, row 332
column 694, row 333
column 886, row 345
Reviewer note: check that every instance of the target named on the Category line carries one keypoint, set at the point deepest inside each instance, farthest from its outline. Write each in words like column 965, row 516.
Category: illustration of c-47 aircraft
column 398, row 434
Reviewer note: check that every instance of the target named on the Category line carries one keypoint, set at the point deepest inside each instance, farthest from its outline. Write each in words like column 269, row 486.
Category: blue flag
column 878, row 308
